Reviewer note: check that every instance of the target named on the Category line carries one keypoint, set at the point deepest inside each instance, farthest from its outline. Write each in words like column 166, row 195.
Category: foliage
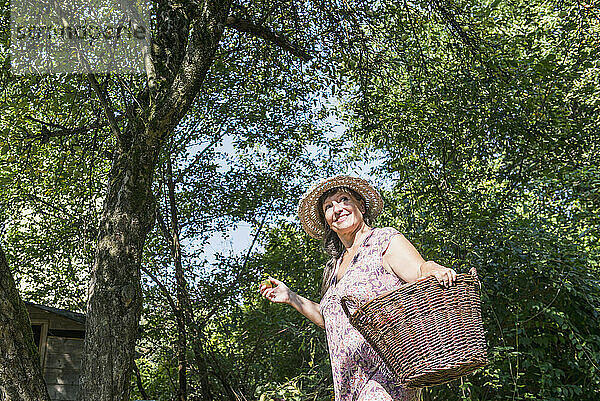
column 52, row 178
column 488, row 125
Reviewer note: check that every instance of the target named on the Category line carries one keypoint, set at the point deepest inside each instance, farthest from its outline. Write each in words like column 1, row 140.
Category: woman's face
column 343, row 212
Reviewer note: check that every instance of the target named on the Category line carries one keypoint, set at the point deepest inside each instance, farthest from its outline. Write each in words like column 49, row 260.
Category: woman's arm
column 282, row 294
column 404, row 260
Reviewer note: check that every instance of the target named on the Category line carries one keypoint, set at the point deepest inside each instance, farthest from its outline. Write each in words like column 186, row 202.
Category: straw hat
column 308, row 206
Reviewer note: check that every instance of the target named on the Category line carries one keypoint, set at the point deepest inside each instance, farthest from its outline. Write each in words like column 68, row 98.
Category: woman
column 365, row 262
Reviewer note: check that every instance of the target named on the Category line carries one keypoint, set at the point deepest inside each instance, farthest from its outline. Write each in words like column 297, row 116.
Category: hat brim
column 308, row 207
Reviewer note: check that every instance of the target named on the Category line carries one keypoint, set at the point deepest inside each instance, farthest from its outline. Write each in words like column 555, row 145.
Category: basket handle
column 473, row 272
column 344, row 301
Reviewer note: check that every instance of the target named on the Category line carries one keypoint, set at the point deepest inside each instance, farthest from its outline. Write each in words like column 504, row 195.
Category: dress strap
column 384, row 236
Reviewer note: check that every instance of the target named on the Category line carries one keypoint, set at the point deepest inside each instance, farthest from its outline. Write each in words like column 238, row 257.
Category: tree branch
column 204, row 40
column 46, row 134
column 247, row 26
column 457, row 29
column 163, row 229
column 108, row 111
column 231, row 286
column 139, row 383
column 49, row 205
column 162, row 288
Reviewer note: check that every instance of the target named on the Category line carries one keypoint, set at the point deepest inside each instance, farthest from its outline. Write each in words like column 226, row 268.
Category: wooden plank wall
column 60, row 356
column 62, row 367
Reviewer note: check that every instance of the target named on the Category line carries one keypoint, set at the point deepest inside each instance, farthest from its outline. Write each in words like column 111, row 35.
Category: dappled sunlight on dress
column 358, row 372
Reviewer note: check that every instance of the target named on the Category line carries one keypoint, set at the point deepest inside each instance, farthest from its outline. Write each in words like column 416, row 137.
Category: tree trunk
column 115, row 295
column 20, row 372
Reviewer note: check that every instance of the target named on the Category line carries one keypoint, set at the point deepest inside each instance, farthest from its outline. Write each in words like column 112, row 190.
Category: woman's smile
column 342, row 212
column 341, row 217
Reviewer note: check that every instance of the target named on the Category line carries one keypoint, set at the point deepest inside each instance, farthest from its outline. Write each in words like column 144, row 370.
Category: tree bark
column 115, row 295
column 20, row 372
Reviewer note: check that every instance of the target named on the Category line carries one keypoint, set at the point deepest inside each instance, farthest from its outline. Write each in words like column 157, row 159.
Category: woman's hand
column 279, row 293
column 445, row 276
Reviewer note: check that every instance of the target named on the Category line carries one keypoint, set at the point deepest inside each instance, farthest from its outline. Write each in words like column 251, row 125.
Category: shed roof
column 77, row 317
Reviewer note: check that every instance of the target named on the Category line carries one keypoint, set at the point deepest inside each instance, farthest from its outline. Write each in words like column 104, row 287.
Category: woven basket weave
column 426, row 334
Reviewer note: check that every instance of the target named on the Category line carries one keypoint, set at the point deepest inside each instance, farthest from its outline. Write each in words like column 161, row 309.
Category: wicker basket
column 426, row 334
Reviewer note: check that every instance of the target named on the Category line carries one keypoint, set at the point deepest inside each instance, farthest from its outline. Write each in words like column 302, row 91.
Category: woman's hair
column 332, row 245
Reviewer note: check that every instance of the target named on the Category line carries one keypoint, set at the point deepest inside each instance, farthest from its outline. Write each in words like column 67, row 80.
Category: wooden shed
column 59, row 335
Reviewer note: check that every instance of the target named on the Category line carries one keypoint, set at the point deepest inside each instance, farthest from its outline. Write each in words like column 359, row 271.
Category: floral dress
column 358, row 372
